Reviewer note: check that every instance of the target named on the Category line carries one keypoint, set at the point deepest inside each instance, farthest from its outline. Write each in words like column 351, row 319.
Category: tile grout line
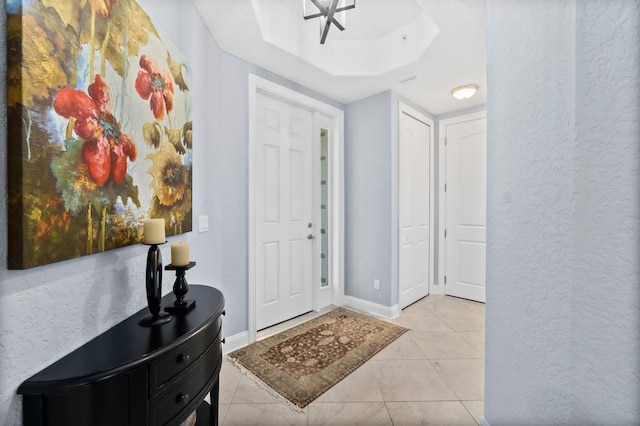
column 420, row 311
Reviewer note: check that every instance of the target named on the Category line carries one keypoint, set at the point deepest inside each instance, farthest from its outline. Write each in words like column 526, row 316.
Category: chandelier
column 326, row 10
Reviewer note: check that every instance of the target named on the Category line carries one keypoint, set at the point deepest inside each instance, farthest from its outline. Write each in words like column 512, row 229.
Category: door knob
column 310, row 237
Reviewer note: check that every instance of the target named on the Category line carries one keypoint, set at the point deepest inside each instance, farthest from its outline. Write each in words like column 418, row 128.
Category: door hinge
column 445, row 141
column 445, row 279
column 445, row 187
column 445, row 233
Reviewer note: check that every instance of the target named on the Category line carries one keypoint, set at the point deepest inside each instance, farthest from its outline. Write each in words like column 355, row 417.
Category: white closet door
column 414, row 209
column 466, row 207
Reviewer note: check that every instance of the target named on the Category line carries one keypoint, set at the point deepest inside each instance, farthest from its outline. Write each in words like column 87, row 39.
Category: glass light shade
column 464, row 92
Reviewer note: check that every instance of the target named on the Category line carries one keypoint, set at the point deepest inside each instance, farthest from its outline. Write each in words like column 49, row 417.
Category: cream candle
column 180, row 254
column 154, row 231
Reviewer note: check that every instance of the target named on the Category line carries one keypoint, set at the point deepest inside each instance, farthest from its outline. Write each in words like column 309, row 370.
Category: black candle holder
column 180, row 289
column 153, row 278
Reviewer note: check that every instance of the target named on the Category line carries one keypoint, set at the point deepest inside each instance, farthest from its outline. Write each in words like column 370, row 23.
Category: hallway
column 434, row 374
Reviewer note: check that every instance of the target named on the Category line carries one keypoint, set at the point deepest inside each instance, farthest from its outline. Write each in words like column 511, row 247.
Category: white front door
column 466, row 206
column 284, row 210
column 414, row 194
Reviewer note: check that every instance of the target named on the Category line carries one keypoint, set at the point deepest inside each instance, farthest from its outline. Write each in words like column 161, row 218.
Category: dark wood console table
column 134, row 375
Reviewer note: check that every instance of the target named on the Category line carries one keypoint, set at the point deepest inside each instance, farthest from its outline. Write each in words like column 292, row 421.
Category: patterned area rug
column 303, row 362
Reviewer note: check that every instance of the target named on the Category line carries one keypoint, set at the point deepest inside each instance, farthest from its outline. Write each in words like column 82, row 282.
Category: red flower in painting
column 106, row 147
column 102, row 7
column 155, row 84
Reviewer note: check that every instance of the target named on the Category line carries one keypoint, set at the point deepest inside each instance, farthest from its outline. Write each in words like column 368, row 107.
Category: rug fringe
column 262, row 385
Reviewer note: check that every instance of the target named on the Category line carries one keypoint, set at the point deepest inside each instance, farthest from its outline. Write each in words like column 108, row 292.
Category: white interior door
column 284, row 210
column 466, row 206
column 414, row 209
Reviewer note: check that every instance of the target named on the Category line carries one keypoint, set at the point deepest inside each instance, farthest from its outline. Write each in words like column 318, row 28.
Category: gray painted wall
column 563, row 301
column 371, row 192
column 48, row 311
column 367, row 160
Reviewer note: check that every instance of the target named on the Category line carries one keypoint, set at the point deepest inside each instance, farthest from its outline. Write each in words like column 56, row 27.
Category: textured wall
column 47, row 312
column 562, row 336
column 606, row 300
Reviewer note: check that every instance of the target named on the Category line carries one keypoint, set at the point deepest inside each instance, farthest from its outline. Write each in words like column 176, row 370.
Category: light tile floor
column 432, row 375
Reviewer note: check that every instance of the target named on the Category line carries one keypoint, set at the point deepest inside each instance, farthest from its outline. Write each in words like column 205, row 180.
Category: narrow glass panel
column 324, row 211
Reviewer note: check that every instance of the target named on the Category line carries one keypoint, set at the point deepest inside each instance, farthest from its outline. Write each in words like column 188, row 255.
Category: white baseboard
column 438, row 290
column 375, row 309
column 241, row 339
column 234, row 342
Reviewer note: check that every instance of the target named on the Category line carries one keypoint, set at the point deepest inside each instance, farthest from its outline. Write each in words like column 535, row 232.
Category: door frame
column 322, row 114
column 442, row 197
column 406, row 109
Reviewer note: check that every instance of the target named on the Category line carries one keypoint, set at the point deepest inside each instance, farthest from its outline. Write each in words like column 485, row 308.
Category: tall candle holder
column 153, row 278
column 180, row 289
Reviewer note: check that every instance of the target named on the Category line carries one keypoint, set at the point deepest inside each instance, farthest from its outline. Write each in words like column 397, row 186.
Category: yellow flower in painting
column 176, row 71
column 175, row 137
column 187, row 134
column 38, row 70
column 170, row 176
column 152, row 133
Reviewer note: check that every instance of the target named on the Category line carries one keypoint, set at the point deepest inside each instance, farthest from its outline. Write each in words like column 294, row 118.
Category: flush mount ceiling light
column 326, row 10
column 464, row 92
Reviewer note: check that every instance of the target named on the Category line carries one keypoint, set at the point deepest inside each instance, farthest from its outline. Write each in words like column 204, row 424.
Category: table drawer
column 186, row 393
column 183, row 356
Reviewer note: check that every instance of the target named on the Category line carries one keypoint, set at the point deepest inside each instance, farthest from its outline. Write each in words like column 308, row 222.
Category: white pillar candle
column 180, row 254
column 154, row 231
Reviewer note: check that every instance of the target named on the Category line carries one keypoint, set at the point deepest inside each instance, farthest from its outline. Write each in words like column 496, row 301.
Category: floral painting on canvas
column 100, row 131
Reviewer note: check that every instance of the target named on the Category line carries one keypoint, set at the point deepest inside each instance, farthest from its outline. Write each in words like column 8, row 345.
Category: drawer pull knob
column 224, row 340
column 184, row 358
column 183, row 397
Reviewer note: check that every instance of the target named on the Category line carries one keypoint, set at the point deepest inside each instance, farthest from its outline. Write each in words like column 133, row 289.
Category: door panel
column 296, row 250
column 472, row 178
column 471, row 264
column 283, row 210
column 271, row 275
column 297, row 185
column 271, row 158
column 414, row 203
column 466, row 182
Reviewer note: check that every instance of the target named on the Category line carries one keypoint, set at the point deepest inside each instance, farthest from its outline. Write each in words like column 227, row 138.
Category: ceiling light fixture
column 326, row 10
column 464, row 92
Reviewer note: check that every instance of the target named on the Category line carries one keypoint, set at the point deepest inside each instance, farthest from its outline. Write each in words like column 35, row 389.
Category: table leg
column 214, row 397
